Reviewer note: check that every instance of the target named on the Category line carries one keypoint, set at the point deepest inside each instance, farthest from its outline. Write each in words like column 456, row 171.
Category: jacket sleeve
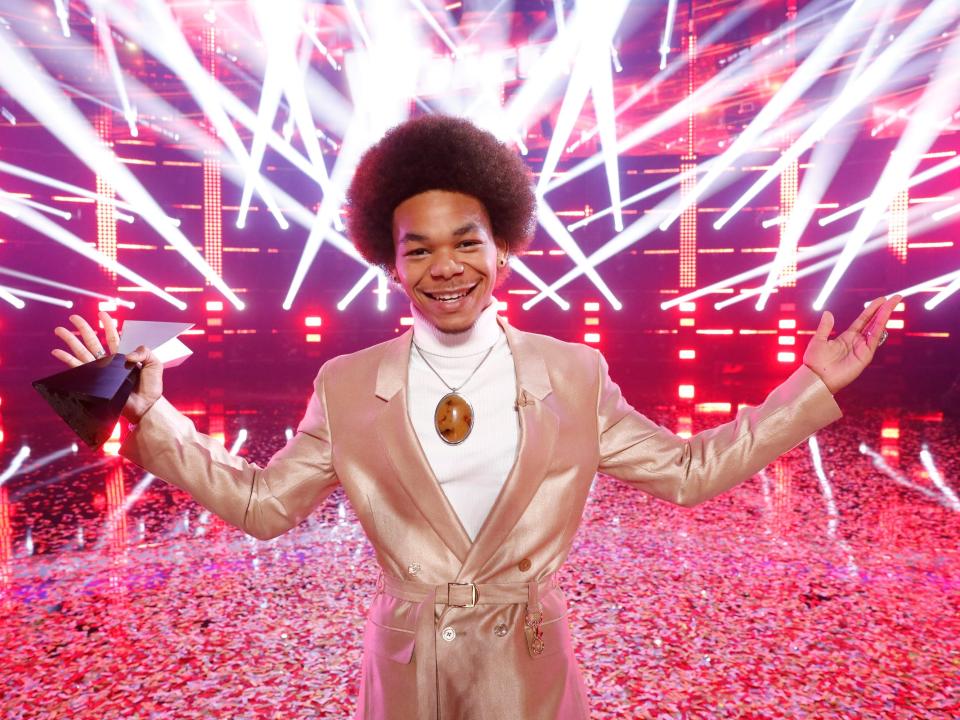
column 263, row 502
column 689, row 471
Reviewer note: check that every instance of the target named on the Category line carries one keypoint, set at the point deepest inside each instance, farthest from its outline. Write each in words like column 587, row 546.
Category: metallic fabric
column 574, row 422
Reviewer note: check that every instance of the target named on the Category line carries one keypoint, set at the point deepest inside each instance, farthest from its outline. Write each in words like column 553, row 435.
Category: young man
column 467, row 447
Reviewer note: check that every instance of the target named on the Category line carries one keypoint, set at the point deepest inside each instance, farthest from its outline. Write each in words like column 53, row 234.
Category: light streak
column 432, row 22
column 117, row 516
column 157, row 31
column 946, row 212
column 667, row 33
column 949, row 290
column 53, row 231
column 63, row 286
column 930, row 466
column 358, row 286
column 38, row 94
column 63, row 15
column 39, row 206
column 921, row 177
column 942, row 92
column 37, row 296
column 46, row 460
column 12, row 299
column 238, row 441
column 551, row 223
column 75, row 189
column 524, row 271
column 812, row 69
column 900, row 479
column 727, row 82
column 874, row 244
column 358, row 23
column 595, row 43
column 928, row 22
column 606, row 121
column 106, row 42
column 267, row 110
column 311, row 33
column 22, row 454
column 382, row 290
column 833, row 513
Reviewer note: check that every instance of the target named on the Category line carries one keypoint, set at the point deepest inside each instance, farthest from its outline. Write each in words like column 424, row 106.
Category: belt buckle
column 474, row 595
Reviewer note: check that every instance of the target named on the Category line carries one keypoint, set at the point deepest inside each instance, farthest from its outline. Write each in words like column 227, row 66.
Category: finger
column 825, row 326
column 143, row 355
column 89, row 335
column 864, row 317
column 879, row 320
column 76, row 347
column 65, row 357
column 110, row 330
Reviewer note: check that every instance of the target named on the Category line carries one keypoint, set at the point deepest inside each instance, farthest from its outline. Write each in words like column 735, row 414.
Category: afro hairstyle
column 437, row 152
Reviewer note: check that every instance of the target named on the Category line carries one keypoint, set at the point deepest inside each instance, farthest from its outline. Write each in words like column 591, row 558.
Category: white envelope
column 160, row 337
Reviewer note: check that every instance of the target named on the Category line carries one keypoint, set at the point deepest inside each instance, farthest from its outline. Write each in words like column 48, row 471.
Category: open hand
column 88, row 348
column 840, row 360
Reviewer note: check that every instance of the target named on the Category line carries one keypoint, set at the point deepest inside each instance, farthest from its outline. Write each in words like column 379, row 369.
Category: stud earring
column 502, row 261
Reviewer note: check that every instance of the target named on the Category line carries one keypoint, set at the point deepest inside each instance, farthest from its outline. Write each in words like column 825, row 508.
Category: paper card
column 160, row 337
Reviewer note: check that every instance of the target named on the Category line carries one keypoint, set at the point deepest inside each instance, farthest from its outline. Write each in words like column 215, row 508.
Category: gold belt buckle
column 474, row 595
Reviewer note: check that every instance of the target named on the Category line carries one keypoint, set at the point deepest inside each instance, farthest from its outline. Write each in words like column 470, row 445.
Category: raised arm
column 689, row 471
column 263, row 502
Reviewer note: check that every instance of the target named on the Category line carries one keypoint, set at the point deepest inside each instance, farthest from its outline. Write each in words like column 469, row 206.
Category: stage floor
column 792, row 596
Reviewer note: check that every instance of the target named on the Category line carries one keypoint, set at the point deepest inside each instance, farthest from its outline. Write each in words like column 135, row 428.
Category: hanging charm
column 532, row 622
column 453, row 419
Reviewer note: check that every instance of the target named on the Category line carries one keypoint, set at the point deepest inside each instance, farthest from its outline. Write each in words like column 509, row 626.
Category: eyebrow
column 459, row 232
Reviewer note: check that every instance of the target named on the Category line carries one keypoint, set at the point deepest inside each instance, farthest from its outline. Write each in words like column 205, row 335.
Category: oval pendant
column 453, row 419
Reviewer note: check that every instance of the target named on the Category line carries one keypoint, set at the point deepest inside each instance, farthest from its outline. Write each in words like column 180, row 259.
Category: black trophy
column 91, row 396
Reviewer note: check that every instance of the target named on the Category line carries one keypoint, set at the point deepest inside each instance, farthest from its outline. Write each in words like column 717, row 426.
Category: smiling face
column 446, row 258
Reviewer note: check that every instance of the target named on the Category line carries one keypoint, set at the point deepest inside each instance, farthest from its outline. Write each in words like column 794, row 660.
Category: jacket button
column 413, row 568
column 524, row 564
column 500, row 630
column 448, row 634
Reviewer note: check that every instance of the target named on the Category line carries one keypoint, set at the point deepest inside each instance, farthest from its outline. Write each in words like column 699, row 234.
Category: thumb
column 142, row 355
column 825, row 326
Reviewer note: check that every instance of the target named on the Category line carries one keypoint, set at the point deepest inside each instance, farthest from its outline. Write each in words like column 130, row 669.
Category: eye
column 416, row 252
column 470, row 243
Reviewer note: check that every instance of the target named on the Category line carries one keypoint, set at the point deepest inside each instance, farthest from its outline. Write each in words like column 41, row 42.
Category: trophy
column 90, row 397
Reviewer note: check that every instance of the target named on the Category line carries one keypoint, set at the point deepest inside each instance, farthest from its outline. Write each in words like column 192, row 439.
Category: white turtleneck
column 471, row 473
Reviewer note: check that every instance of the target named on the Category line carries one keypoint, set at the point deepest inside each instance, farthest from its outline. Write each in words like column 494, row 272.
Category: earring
column 502, row 261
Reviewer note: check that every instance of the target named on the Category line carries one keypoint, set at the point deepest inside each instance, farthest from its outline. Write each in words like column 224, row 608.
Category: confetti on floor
column 769, row 602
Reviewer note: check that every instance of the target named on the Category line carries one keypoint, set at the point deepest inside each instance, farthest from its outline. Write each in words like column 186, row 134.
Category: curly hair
column 436, row 152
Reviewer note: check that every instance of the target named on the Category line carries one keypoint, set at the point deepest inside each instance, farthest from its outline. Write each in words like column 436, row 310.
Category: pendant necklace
column 453, row 417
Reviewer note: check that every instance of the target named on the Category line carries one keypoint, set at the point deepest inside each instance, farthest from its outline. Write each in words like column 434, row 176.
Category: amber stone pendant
column 453, row 419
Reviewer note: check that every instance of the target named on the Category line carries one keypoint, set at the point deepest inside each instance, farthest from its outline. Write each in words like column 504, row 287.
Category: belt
column 463, row 595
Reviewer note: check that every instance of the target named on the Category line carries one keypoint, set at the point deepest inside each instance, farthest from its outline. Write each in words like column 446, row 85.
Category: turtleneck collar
column 484, row 333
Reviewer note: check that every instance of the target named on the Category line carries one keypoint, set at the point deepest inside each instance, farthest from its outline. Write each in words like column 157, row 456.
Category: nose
column 445, row 266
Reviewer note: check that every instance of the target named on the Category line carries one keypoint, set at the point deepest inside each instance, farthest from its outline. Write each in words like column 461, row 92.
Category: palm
column 88, row 347
column 838, row 361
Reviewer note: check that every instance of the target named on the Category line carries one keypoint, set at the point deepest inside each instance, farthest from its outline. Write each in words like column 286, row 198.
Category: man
column 466, row 447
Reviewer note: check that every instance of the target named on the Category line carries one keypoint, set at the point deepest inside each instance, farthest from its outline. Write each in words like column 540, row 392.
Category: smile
column 450, row 296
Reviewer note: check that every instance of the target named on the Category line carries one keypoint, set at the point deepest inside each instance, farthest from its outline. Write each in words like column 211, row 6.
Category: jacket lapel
column 405, row 453
column 539, row 427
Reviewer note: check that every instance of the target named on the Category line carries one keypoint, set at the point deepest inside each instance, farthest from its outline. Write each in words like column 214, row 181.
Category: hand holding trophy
column 126, row 379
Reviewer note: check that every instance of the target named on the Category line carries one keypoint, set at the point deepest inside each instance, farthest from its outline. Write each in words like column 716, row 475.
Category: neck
column 476, row 339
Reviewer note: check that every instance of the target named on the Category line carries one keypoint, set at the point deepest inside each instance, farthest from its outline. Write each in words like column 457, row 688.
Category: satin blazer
column 452, row 631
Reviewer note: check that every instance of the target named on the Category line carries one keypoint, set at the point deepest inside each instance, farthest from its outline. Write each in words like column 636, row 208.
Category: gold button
column 448, row 634
column 500, row 630
column 524, row 564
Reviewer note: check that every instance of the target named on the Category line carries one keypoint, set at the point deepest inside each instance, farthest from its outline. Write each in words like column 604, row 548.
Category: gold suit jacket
column 425, row 654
